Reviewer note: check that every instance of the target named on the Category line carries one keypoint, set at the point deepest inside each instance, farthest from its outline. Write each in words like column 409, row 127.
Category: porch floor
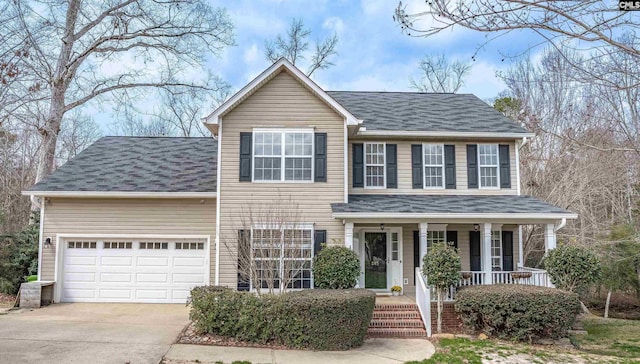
column 394, row 300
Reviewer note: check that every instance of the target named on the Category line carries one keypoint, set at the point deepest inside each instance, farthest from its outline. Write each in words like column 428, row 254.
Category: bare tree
column 438, row 74
column 580, row 158
column 78, row 132
column 273, row 251
column 295, row 47
column 593, row 22
column 81, row 51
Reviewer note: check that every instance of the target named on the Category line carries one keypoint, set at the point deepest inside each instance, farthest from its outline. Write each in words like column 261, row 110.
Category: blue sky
column 373, row 54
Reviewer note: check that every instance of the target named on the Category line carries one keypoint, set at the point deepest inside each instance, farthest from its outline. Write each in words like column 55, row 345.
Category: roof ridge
column 153, row 137
column 404, row 92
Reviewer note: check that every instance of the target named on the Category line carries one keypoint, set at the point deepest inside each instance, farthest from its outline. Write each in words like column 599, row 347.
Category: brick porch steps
column 396, row 320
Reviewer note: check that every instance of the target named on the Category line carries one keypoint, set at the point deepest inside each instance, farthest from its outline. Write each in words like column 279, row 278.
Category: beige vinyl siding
column 405, row 185
column 283, row 102
column 126, row 216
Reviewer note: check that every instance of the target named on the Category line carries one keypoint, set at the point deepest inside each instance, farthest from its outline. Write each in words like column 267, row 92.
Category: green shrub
column 572, row 268
column 313, row 319
column 18, row 257
column 336, row 267
column 516, row 311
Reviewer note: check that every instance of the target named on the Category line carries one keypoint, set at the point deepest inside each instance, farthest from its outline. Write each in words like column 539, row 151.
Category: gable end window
column 488, row 165
column 374, row 165
column 433, row 157
column 283, row 155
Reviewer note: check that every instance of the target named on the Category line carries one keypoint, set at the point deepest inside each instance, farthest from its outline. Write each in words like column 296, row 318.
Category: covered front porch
column 491, row 253
column 391, row 234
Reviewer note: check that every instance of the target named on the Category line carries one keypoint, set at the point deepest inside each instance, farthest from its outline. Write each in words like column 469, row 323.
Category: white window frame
column 384, row 165
column 283, row 155
column 282, row 228
column 431, row 239
column 497, row 166
column 497, row 233
column 425, row 165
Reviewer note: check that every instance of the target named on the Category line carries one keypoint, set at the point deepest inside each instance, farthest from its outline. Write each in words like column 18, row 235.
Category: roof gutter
column 413, row 215
column 454, row 134
column 117, row 194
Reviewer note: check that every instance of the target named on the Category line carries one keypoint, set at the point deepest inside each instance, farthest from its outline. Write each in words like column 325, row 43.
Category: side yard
column 607, row 341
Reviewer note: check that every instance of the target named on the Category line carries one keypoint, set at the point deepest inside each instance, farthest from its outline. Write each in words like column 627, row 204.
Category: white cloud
column 334, row 23
column 251, row 54
column 483, row 82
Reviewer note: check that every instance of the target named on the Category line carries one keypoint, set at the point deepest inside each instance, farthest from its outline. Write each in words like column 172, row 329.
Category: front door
column 375, row 260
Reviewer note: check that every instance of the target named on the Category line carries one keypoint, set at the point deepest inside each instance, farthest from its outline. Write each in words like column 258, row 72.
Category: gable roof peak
column 212, row 121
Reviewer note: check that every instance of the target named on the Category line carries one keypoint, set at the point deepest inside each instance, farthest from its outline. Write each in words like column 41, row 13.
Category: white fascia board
column 120, row 194
column 451, row 134
column 400, row 215
column 215, row 117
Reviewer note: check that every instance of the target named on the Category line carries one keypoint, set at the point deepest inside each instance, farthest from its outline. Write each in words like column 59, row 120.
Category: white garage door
column 132, row 270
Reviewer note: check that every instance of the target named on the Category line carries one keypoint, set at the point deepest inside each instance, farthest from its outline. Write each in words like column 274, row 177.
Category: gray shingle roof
column 446, row 204
column 417, row 111
column 139, row 164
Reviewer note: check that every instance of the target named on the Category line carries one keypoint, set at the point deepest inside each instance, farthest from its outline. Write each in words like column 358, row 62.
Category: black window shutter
column 416, row 165
column 358, row 165
column 505, row 166
column 319, row 239
column 392, row 165
column 320, row 157
column 507, row 251
column 416, row 252
column 243, row 251
column 452, row 237
column 450, row 166
column 474, row 254
column 245, row 157
column 472, row 165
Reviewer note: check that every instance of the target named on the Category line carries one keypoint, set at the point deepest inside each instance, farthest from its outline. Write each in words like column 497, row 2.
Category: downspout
column 39, row 204
column 35, row 202
column 563, row 222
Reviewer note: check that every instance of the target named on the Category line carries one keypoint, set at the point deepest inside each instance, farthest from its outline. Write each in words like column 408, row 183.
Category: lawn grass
column 465, row 351
column 607, row 341
column 613, row 337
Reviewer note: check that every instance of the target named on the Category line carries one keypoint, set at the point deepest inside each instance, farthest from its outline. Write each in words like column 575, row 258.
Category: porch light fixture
column 476, row 227
column 381, row 226
column 47, row 243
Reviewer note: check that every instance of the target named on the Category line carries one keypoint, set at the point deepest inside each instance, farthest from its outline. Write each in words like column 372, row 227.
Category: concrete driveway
column 91, row 333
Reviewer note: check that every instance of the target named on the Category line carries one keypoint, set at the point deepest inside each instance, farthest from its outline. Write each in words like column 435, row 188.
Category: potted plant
column 396, row 290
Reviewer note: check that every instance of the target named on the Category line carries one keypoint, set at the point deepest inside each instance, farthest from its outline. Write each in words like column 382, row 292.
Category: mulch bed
column 6, row 299
column 190, row 336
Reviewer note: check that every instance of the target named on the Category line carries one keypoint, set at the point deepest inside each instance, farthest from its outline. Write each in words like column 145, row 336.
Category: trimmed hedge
column 312, row 319
column 517, row 312
column 336, row 267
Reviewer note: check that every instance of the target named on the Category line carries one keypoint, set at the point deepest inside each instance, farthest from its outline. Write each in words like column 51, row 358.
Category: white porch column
column 520, row 248
column 549, row 237
column 486, row 253
column 423, row 241
column 348, row 235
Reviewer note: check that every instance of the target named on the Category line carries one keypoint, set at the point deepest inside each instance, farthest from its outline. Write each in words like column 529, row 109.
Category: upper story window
column 283, row 156
column 433, row 165
column 374, row 165
column 489, row 165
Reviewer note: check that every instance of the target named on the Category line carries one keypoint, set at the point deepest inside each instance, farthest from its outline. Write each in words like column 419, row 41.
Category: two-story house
column 383, row 173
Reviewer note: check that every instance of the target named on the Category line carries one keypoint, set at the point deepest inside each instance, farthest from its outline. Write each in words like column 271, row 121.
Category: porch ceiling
column 511, row 207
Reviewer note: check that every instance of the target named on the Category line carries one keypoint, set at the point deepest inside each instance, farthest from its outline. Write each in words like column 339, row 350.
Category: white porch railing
column 423, row 299
column 524, row 275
